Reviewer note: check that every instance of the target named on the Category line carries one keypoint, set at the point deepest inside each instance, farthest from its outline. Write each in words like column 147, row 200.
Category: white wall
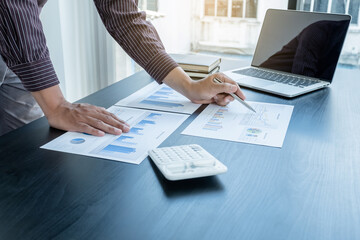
column 50, row 18
column 81, row 49
column 175, row 28
column 263, row 5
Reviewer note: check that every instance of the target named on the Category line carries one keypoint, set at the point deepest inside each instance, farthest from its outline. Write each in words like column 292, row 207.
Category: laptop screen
column 303, row 43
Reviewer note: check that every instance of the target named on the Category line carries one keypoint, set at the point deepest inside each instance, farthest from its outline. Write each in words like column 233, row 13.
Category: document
column 234, row 122
column 161, row 98
column 148, row 130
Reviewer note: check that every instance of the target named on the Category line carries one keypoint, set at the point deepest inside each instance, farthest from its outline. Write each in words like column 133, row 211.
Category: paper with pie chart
column 268, row 126
column 148, row 130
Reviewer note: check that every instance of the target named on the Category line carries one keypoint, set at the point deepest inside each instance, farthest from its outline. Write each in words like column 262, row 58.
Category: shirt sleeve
column 23, row 44
column 136, row 36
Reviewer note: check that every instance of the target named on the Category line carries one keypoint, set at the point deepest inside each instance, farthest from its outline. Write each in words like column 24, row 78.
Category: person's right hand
column 76, row 117
column 204, row 91
column 82, row 117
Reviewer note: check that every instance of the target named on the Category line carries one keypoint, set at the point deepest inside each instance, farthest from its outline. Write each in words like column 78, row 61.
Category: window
column 222, row 8
column 210, row 7
column 221, row 25
column 237, row 8
column 231, row 8
column 351, row 7
column 125, row 65
column 151, row 5
column 353, row 10
column 350, row 54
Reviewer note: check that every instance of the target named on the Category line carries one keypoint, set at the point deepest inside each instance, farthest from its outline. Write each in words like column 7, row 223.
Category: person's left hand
column 208, row 91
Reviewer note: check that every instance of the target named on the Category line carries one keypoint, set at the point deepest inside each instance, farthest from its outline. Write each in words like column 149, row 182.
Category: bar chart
column 161, row 98
column 148, row 130
column 216, row 121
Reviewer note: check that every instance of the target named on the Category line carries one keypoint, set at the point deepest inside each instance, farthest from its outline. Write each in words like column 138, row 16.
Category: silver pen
column 236, row 97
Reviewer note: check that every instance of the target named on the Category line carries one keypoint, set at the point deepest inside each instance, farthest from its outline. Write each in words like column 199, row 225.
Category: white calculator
column 186, row 161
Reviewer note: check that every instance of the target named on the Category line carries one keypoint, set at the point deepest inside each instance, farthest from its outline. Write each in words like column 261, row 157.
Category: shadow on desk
column 187, row 187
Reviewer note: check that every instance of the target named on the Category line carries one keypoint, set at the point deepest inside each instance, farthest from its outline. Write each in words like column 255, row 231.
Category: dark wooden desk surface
column 308, row 189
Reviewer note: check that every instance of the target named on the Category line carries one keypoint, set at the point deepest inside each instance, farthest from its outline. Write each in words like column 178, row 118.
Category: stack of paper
column 149, row 127
column 156, row 111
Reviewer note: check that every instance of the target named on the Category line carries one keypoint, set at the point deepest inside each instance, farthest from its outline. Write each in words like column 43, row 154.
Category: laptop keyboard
column 277, row 77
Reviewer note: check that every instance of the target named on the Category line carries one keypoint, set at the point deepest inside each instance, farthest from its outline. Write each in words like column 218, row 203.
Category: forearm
column 136, row 36
column 180, row 81
column 49, row 100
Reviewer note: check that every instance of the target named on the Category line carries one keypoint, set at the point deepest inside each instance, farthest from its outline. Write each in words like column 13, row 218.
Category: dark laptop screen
column 303, row 43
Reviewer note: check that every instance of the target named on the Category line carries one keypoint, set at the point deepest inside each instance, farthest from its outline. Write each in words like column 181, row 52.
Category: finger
column 102, row 126
column 104, row 111
column 85, row 128
column 110, row 119
column 223, row 99
column 120, row 120
column 95, row 111
column 101, row 119
column 208, row 101
column 228, row 80
column 224, row 87
column 239, row 93
column 229, row 88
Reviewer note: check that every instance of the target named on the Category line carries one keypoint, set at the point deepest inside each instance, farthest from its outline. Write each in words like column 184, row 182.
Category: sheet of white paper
column 234, row 122
column 148, row 130
column 161, row 98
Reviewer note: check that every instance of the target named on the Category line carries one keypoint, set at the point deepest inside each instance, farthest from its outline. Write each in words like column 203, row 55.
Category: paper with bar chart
column 148, row 130
column 161, row 98
column 234, row 122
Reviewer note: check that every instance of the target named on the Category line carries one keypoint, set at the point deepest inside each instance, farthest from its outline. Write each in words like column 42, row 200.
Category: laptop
column 297, row 52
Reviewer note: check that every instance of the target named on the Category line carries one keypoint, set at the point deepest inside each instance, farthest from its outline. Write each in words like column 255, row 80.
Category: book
column 196, row 63
column 201, row 74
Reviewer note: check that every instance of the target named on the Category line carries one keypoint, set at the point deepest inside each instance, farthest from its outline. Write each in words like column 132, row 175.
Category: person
column 28, row 80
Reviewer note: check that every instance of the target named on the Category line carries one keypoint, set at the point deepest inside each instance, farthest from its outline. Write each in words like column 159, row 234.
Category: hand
column 86, row 118
column 208, row 91
column 204, row 90
column 77, row 117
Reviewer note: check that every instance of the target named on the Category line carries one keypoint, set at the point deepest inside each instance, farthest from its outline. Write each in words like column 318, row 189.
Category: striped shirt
column 23, row 44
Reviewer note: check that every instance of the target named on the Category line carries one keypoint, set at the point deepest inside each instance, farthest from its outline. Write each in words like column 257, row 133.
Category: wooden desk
column 308, row 189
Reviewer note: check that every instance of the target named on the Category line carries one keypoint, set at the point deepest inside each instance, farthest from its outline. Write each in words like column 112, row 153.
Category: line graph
column 262, row 118
column 235, row 123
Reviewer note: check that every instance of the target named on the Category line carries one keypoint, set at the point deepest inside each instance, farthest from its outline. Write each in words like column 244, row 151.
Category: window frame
column 144, row 5
column 229, row 11
column 297, row 5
